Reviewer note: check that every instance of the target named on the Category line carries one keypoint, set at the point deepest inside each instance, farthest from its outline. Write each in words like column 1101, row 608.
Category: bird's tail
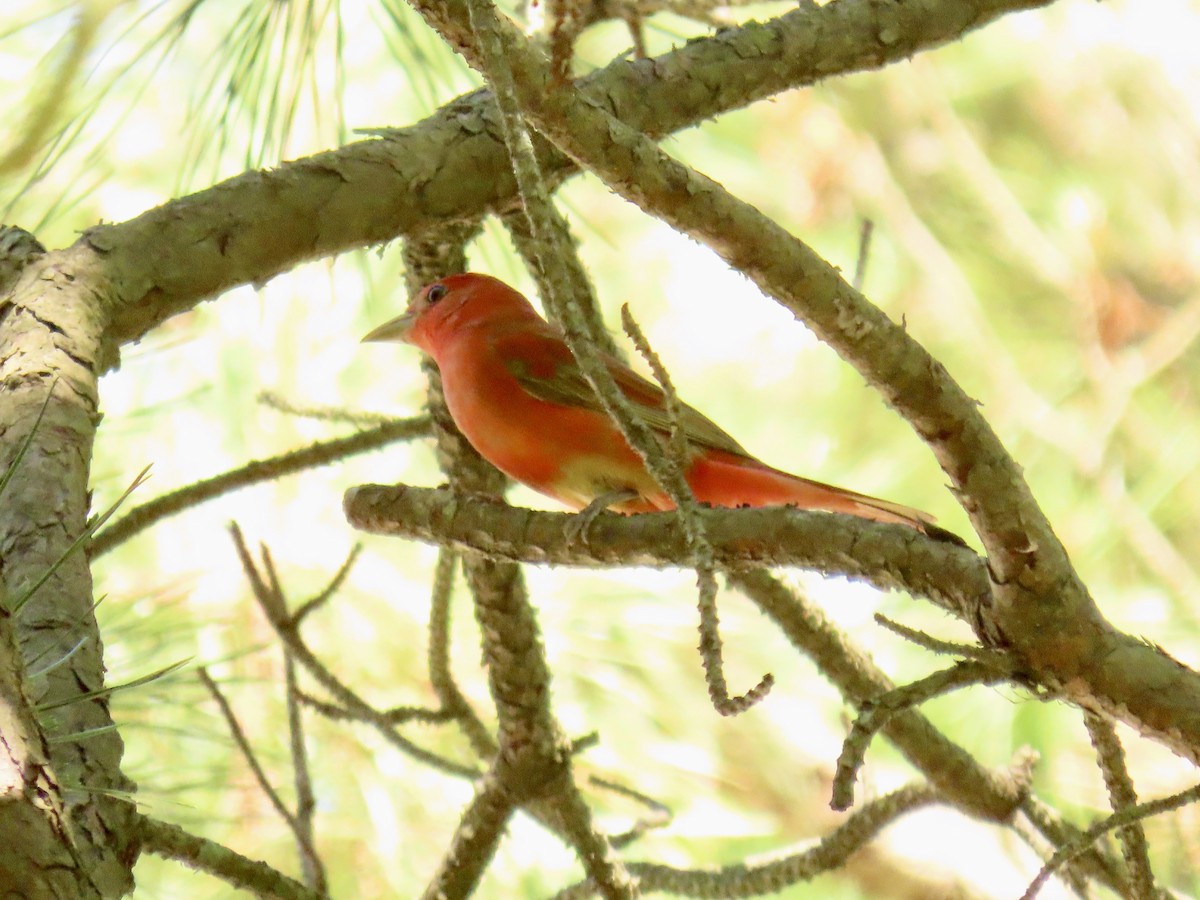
column 722, row 479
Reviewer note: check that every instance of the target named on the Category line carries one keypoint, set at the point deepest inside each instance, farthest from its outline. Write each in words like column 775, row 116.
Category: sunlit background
column 1035, row 198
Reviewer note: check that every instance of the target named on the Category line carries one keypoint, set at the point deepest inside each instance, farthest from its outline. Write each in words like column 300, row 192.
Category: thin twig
column 453, row 702
column 1117, row 820
column 749, row 879
column 336, row 414
column 274, row 607
column 864, row 249
column 339, row 577
column 322, row 453
column 243, row 744
column 397, row 715
column 875, row 714
column 1091, row 863
column 306, row 803
column 945, row 648
column 706, row 567
column 660, row 814
column 172, row 842
column 1122, row 795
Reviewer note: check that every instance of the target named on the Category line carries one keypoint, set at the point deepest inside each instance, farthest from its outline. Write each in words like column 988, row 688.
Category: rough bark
column 65, row 835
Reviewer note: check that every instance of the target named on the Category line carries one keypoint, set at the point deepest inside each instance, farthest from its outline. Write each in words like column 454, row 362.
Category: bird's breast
column 570, row 453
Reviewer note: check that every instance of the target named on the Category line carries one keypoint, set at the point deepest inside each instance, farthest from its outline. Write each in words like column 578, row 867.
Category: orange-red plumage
column 516, row 393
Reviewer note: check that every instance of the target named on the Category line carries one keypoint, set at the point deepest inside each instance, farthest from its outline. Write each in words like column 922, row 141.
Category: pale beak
column 396, row 330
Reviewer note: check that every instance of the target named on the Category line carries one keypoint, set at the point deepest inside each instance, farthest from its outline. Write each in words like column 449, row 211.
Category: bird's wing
column 543, row 365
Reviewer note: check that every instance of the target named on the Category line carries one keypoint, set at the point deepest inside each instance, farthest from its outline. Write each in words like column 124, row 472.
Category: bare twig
column 335, row 414
column 310, row 861
column 864, row 249
column 706, row 565
column 745, row 880
column 306, row 803
column 876, row 713
column 339, row 577
column 397, row 715
column 172, row 842
column 1091, row 863
column 319, row 454
column 274, row 606
column 1121, row 795
column 659, row 813
column 1121, row 819
column 996, row 658
column 454, row 704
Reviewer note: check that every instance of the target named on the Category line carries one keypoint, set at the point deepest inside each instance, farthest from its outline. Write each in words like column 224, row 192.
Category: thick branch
column 51, row 345
column 892, row 557
column 453, row 166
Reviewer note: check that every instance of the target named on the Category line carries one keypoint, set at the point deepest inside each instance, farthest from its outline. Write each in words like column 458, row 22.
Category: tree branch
column 1040, row 607
column 322, row 453
column 750, row 879
column 52, row 343
column 453, row 166
column 172, row 842
column 892, row 557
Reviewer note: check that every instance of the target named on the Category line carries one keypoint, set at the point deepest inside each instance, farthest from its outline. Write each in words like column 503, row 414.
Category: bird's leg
column 577, row 529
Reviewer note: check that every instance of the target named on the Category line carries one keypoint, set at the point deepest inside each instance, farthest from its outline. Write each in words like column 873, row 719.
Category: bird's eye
column 435, row 293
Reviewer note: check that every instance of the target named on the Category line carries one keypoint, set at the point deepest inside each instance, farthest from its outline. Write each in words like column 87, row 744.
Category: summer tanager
column 517, row 394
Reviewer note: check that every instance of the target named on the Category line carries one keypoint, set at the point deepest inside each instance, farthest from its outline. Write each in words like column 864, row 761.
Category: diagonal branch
column 874, row 714
column 453, row 167
column 172, row 842
column 298, row 823
column 1122, row 795
column 1040, row 608
column 322, row 453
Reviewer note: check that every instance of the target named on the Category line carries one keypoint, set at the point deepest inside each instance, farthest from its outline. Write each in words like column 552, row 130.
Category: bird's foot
column 580, row 525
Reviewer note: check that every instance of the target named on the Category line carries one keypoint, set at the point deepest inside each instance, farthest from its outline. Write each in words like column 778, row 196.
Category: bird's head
column 447, row 307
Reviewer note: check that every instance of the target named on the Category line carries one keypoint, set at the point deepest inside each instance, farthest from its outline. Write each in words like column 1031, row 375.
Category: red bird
column 517, row 394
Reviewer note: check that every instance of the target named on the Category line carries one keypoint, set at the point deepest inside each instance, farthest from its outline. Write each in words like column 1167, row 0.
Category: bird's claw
column 578, row 528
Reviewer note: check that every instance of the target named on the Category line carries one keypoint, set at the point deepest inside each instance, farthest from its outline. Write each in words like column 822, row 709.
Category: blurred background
column 1034, row 194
